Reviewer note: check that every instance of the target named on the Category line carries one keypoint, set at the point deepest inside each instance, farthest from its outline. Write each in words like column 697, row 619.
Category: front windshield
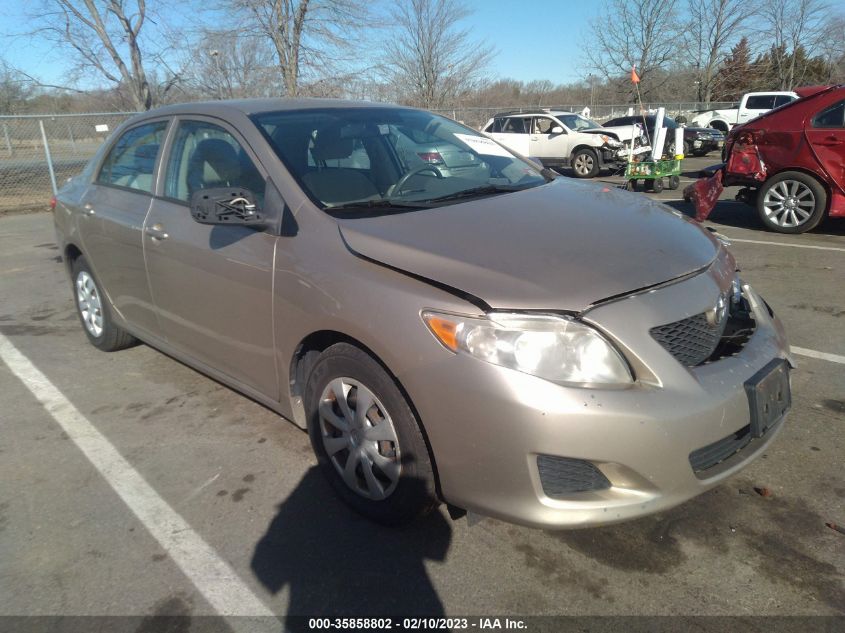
column 359, row 158
column 577, row 122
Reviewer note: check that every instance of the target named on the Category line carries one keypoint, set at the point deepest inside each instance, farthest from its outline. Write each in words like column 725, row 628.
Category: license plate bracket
column 769, row 396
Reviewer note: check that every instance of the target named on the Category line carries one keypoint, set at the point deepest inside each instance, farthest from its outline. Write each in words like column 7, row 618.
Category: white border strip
column 212, row 576
column 833, row 358
column 818, row 248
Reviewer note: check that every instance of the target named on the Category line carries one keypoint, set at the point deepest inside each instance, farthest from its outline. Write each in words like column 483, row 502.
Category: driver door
column 212, row 285
column 545, row 143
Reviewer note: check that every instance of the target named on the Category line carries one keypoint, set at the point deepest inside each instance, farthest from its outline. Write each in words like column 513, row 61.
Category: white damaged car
column 558, row 139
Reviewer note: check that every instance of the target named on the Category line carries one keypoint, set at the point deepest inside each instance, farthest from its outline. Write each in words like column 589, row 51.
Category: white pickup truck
column 752, row 105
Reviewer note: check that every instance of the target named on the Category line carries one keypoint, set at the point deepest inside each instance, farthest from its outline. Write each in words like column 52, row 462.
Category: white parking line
column 213, row 577
column 833, row 358
column 818, row 248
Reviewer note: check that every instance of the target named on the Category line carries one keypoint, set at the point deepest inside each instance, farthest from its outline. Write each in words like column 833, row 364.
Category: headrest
column 329, row 145
column 219, row 155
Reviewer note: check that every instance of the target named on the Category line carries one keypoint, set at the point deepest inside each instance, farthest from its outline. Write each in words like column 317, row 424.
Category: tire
column 94, row 311
column 631, row 185
column 700, row 153
column 400, row 487
column 688, row 151
column 791, row 202
column 674, row 182
column 657, row 185
column 585, row 163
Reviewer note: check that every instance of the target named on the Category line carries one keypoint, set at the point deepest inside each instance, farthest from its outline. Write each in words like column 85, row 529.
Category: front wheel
column 791, row 202
column 585, row 163
column 94, row 311
column 367, row 439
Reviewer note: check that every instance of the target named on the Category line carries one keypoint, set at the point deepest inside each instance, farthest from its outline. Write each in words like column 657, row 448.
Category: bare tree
column 15, row 89
column 104, row 35
column 311, row 38
column 227, row 65
column 429, row 57
column 789, row 25
column 712, row 28
column 643, row 33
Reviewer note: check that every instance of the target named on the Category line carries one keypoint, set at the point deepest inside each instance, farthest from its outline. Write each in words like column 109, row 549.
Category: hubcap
column 583, row 163
column 359, row 438
column 90, row 306
column 789, row 203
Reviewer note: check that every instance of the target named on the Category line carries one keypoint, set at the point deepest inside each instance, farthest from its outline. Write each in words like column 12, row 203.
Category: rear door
column 755, row 105
column 113, row 213
column 512, row 132
column 826, row 135
column 212, row 285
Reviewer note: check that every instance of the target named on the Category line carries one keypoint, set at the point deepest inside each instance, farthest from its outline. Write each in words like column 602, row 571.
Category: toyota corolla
column 473, row 331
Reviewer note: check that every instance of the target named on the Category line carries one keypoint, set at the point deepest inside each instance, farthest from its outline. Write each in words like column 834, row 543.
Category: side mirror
column 230, row 205
column 557, row 130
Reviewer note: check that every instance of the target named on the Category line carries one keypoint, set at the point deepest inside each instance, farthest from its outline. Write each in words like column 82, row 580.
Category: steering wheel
column 397, row 188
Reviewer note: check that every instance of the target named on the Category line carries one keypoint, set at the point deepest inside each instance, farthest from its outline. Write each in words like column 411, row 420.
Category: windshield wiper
column 384, row 203
column 478, row 191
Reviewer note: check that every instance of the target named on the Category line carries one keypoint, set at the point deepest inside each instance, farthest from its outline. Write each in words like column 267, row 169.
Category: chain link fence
column 476, row 117
column 40, row 152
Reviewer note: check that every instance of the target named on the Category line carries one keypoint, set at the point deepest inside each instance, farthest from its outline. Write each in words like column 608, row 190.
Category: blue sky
column 535, row 39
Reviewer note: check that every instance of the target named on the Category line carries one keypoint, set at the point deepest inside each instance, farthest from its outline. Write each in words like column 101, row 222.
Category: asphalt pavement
column 221, row 497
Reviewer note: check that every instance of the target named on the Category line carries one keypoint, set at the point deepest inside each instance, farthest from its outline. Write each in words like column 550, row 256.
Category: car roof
column 516, row 113
column 257, row 106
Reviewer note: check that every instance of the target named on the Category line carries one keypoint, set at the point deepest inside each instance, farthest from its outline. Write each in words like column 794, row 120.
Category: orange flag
column 635, row 78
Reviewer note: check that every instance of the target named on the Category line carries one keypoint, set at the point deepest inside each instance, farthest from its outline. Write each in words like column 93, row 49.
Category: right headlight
column 555, row 348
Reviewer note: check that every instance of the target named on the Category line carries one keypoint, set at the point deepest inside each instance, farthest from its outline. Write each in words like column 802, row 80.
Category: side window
column 783, row 100
column 831, row 117
column 515, row 125
column 131, row 160
column 543, row 125
column 205, row 156
column 760, row 102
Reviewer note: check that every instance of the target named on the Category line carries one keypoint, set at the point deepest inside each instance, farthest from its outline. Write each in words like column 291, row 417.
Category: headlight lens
column 557, row 349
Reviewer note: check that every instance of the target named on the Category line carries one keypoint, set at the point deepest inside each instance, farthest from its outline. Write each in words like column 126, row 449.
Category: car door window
column 516, row 125
column 131, row 160
column 206, row 156
column 832, row 117
column 783, row 100
column 761, row 102
column 543, row 125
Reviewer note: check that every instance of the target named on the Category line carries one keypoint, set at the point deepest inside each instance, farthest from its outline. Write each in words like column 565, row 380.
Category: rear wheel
column 94, row 311
column 791, row 202
column 367, row 439
column 585, row 163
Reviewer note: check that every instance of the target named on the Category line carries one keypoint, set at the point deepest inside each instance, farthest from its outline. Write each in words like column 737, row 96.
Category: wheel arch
column 305, row 356
column 71, row 253
column 719, row 124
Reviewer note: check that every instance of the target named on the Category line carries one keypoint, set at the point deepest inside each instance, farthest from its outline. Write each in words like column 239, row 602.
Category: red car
column 791, row 161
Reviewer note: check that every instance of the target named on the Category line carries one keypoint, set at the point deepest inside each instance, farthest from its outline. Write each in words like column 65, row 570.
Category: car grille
column 692, row 340
column 560, row 476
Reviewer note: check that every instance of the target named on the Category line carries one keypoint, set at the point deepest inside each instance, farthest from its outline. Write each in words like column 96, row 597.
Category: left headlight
column 554, row 348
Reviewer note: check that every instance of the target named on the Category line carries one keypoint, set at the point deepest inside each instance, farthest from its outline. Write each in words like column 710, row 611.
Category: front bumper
column 488, row 425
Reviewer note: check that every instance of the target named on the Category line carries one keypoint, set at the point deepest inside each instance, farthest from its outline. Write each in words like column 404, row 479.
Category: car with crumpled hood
column 545, row 351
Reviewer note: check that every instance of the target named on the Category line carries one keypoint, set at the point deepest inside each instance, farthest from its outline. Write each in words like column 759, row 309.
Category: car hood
column 562, row 246
column 709, row 130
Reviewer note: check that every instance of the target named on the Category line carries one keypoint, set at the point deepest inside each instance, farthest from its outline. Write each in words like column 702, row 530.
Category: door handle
column 89, row 210
column 156, row 231
column 829, row 141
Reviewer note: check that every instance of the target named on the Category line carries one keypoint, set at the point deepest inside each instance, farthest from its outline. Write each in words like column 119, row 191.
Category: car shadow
column 742, row 216
column 339, row 564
